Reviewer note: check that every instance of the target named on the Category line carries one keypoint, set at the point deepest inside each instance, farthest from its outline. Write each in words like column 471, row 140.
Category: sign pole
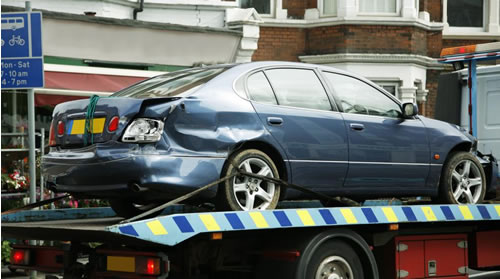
column 31, row 134
column 31, row 142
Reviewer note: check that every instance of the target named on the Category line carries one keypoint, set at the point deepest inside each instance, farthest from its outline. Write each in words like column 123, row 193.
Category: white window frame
column 396, row 83
column 322, row 10
column 272, row 8
column 457, row 29
column 397, row 13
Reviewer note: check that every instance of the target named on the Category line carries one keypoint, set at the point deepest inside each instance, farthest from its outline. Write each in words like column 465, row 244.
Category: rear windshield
column 169, row 85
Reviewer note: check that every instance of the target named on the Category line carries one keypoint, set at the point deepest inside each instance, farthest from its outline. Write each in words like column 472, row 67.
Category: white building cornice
column 425, row 61
column 333, row 21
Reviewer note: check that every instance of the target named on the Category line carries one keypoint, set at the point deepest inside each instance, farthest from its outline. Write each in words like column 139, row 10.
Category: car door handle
column 357, row 126
column 277, row 121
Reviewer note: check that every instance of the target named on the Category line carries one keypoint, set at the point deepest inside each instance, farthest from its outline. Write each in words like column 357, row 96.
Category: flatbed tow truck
column 382, row 239
column 404, row 241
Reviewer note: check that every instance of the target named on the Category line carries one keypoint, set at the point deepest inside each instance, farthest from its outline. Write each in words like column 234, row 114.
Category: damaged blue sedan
column 324, row 129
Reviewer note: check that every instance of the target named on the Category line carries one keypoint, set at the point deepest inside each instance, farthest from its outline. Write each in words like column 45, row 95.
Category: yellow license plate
column 77, row 127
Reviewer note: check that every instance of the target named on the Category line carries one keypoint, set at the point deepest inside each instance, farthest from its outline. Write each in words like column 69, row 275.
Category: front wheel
column 128, row 209
column 334, row 259
column 463, row 180
column 246, row 193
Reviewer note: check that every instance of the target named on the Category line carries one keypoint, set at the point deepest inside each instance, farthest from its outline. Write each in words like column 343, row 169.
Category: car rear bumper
column 115, row 170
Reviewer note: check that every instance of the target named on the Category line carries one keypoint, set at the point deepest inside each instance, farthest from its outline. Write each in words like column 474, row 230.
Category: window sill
column 362, row 14
column 358, row 20
column 470, row 34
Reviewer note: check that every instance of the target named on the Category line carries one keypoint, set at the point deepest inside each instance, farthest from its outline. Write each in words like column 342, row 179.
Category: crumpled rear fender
column 209, row 127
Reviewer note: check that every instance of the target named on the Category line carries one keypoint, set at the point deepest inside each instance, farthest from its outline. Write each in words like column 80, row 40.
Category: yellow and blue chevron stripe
column 172, row 229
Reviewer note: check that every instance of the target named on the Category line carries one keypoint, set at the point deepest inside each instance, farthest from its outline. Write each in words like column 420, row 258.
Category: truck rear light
column 20, row 257
column 113, row 124
column 147, row 266
column 52, row 135
column 130, row 264
column 60, row 128
column 32, row 257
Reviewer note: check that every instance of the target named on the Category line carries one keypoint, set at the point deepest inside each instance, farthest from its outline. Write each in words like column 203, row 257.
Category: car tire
column 334, row 259
column 244, row 193
column 463, row 180
column 128, row 209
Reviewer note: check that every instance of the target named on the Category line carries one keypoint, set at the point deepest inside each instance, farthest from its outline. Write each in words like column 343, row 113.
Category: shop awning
column 88, row 82
column 52, row 100
column 63, row 86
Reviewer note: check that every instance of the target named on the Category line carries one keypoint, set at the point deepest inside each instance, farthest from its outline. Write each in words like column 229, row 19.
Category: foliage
column 7, row 182
column 6, row 250
column 14, row 181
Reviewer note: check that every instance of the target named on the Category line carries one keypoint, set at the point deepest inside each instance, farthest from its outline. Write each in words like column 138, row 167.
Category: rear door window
column 298, row 88
column 260, row 90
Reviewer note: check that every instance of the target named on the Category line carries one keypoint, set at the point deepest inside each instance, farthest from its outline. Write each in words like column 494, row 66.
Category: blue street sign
column 22, row 57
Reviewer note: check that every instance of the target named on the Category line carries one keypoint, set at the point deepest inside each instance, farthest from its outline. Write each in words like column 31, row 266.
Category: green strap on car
column 89, row 120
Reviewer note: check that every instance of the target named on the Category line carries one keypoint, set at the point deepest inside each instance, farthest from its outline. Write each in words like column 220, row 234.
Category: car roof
column 239, row 69
column 249, row 66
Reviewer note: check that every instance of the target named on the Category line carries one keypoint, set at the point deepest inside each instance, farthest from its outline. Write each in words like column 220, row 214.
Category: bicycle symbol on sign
column 13, row 24
column 16, row 40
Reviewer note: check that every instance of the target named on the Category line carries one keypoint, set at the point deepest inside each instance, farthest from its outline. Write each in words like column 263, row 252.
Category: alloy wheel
column 466, row 182
column 252, row 193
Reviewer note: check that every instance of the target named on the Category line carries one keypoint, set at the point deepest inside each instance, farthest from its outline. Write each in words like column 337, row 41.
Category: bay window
column 378, row 6
column 263, row 7
column 466, row 13
column 328, row 7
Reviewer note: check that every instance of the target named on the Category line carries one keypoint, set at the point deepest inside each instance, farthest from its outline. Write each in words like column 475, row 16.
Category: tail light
column 32, row 257
column 60, row 128
column 143, row 130
column 132, row 264
column 52, row 135
column 20, row 257
column 113, row 124
column 148, row 266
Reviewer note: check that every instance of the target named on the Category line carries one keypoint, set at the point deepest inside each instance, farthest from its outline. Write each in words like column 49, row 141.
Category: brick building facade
column 392, row 42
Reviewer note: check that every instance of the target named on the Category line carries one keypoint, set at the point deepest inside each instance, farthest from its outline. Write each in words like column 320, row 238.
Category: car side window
column 260, row 90
column 356, row 96
column 298, row 88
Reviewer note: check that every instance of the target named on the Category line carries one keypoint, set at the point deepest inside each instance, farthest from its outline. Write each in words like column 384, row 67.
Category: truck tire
column 334, row 259
column 128, row 209
column 244, row 193
column 463, row 180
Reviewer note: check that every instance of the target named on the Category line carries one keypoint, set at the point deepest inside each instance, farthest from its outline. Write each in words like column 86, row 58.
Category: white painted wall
column 209, row 13
column 114, row 9
column 84, row 40
column 185, row 15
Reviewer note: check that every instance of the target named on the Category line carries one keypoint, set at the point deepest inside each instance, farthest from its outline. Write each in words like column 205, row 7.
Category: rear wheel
column 245, row 193
column 127, row 209
column 463, row 180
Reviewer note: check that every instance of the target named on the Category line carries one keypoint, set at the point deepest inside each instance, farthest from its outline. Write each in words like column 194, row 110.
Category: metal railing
column 23, row 148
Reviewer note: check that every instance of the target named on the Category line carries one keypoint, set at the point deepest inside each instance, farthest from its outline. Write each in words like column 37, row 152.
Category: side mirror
column 409, row 110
